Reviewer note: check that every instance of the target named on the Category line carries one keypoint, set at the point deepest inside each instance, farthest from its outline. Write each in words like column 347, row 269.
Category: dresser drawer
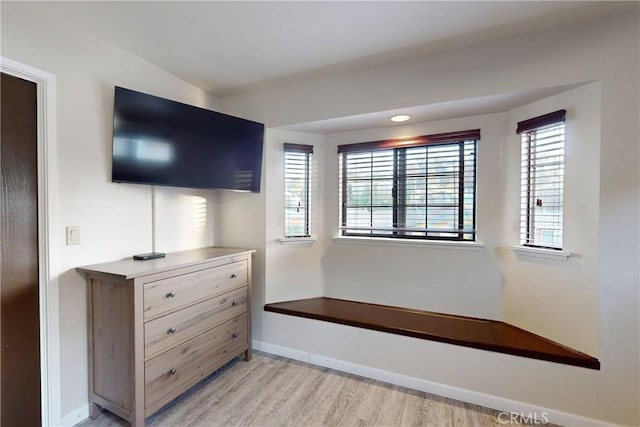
column 166, row 295
column 171, row 373
column 166, row 331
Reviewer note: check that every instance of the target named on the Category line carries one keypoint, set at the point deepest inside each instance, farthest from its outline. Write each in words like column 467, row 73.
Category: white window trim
column 437, row 244
column 527, row 127
column 300, row 239
column 297, row 241
column 550, row 254
column 425, row 140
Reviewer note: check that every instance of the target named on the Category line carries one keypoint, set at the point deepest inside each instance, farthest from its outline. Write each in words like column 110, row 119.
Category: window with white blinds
column 418, row 188
column 542, row 180
column 297, row 183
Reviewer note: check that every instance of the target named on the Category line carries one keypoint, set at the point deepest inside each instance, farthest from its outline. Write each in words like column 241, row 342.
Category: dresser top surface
column 130, row 268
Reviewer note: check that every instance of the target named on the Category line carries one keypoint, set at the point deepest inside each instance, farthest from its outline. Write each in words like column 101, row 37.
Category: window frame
column 399, row 149
column 307, row 152
column 528, row 129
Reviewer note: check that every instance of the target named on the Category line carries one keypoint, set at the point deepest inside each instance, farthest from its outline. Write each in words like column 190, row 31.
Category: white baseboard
column 73, row 418
column 474, row 397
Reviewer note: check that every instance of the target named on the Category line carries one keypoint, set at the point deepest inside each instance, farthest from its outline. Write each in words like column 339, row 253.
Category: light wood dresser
column 158, row 327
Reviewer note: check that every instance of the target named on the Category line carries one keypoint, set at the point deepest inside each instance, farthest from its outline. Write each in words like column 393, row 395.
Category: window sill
column 297, row 241
column 440, row 244
column 526, row 252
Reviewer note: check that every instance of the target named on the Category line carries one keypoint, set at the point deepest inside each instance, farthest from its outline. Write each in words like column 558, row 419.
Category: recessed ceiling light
column 399, row 118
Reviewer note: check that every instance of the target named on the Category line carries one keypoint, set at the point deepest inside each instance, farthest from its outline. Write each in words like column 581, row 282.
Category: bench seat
column 485, row 334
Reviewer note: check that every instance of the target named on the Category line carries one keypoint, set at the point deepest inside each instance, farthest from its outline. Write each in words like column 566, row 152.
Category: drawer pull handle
column 224, row 300
column 171, row 331
column 171, row 294
column 233, row 303
column 235, row 335
column 173, row 371
column 234, row 275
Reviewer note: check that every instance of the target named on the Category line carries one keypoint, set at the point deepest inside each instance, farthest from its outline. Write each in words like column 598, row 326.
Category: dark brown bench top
column 485, row 334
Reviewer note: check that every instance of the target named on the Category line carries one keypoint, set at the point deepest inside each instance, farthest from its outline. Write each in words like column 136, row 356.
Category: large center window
column 416, row 188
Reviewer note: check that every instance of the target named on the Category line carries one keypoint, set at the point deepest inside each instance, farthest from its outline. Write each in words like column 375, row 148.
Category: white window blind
column 542, row 181
column 420, row 188
column 297, row 183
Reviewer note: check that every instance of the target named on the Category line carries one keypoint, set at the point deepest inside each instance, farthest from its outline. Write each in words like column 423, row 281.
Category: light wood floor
column 274, row 391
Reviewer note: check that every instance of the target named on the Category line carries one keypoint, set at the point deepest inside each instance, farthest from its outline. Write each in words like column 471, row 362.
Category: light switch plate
column 73, row 235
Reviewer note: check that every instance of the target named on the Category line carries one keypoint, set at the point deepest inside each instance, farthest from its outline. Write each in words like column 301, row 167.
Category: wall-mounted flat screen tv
column 161, row 142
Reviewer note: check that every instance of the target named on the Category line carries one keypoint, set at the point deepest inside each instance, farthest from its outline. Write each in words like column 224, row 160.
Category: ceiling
column 432, row 112
column 231, row 47
column 227, row 48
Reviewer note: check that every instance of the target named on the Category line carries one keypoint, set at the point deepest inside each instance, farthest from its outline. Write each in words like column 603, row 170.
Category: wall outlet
column 73, row 235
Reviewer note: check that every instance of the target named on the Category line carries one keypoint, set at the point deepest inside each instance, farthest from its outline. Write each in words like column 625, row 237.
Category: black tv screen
column 161, row 142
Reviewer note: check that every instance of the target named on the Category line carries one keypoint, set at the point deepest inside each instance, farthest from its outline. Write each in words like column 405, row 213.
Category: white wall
column 256, row 221
column 115, row 219
column 556, row 299
column 445, row 279
column 241, row 223
column 605, row 50
column 292, row 271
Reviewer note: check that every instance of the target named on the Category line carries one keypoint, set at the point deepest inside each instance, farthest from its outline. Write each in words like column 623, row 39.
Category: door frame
column 48, row 240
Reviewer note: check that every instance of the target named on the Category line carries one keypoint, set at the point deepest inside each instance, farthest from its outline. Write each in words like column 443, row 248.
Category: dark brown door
column 20, row 336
